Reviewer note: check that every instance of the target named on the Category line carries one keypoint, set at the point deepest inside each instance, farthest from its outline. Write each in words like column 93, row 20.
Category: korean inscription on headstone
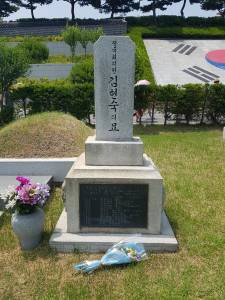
column 114, row 205
column 114, row 88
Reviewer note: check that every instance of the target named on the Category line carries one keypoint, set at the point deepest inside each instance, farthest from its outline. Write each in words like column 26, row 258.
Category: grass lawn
column 191, row 161
column 62, row 59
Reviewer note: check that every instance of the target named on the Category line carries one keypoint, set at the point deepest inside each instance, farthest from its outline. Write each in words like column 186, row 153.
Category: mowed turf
column 192, row 162
column 44, row 135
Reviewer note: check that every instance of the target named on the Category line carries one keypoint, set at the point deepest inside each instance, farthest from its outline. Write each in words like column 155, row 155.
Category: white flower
column 11, row 204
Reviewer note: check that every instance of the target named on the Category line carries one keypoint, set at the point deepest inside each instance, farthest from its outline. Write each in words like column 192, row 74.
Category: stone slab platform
column 100, row 242
column 114, row 153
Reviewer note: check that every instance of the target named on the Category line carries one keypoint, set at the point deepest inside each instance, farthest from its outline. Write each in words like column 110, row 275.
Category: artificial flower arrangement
column 25, row 201
column 26, row 197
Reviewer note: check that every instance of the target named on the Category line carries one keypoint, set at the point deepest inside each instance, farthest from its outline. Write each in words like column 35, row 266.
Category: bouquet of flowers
column 125, row 252
column 25, row 197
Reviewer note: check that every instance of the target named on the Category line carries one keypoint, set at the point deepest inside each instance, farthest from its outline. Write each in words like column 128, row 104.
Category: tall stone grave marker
column 114, row 92
column 114, row 143
column 114, row 190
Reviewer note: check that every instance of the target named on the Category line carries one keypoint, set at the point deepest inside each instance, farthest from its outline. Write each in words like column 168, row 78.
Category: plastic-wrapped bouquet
column 25, row 197
column 125, row 252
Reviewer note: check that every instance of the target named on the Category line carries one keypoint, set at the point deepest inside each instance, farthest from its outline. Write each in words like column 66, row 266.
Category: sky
column 61, row 9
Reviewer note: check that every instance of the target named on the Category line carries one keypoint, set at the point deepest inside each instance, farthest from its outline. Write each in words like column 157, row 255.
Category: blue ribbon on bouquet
column 124, row 252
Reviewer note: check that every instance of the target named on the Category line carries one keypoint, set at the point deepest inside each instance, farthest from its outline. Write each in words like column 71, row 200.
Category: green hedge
column 58, row 95
column 143, row 66
column 166, row 20
column 191, row 102
column 179, row 32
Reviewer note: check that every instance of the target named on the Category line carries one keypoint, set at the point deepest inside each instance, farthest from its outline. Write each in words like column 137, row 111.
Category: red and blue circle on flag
column 217, row 58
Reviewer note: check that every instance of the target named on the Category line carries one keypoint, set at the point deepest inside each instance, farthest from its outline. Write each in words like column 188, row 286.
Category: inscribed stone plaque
column 114, row 88
column 114, row 205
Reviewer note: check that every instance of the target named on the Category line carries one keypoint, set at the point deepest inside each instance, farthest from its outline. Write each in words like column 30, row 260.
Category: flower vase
column 28, row 228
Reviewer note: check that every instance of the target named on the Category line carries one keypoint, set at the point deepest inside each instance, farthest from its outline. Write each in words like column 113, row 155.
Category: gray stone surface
column 114, row 153
column 61, row 48
column 109, row 26
column 114, row 88
column 224, row 133
column 56, row 167
column 146, row 174
column 113, row 145
column 50, row 71
column 62, row 241
column 168, row 65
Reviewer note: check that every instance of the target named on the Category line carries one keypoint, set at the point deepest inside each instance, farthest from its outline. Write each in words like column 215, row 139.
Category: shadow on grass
column 157, row 129
column 3, row 220
column 43, row 251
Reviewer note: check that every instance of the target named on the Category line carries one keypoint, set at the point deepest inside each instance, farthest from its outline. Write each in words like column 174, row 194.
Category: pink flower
column 23, row 180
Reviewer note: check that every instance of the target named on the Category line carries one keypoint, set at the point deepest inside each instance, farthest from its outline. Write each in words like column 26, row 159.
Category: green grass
column 62, row 59
column 44, row 135
column 182, row 32
column 191, row 160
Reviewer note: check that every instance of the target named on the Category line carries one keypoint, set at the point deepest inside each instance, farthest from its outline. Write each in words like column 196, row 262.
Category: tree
column 87, row 36
column 32, row 5
column 118, row 6
column 13, row 64
column 8, row 6
column 72, row 36
column 214, row 5
column 157, row 4
column 94, row 3
column 184, row 5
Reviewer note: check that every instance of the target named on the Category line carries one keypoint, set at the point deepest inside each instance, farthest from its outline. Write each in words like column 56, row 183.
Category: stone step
column 6, row 181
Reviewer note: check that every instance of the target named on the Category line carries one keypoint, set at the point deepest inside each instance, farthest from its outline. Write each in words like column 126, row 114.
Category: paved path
column 184, row 61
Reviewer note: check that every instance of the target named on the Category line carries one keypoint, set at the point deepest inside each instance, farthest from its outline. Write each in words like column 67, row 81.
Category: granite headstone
column 114, row 88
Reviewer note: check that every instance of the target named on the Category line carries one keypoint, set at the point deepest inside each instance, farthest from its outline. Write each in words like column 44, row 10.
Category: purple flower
column 28, row 195
column 33, row 194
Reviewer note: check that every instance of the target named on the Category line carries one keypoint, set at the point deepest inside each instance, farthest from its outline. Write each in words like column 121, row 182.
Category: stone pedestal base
column 111, row 153
column 146, row 177
column 62, row 241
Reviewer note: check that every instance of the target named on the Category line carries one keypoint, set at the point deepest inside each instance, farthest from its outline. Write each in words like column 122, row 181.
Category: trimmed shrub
column 36, row 51
column 58, row 95
column 166, row 20
column 6, row 115
column 83, row 72
column 216, row 103
column 143, row 67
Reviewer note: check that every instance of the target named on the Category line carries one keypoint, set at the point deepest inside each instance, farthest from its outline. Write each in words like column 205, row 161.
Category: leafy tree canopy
column 118, row 6
column 214, row 5
column 8, row 7
column 157, row 4
column 94, row 3
column 32, row 4
column 13, row 64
